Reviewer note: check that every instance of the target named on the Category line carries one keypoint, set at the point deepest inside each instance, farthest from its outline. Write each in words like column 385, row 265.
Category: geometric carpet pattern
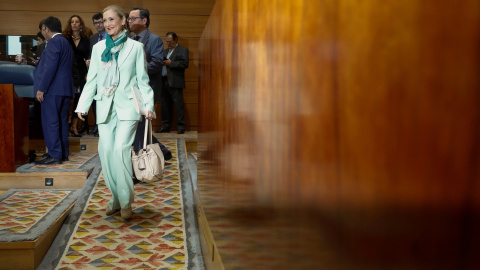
column 75, row 162
column 24, row 209
column 153, row 239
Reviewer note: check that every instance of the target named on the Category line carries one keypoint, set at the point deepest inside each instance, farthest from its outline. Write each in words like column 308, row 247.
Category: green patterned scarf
column 111, row 44
column 109, row 63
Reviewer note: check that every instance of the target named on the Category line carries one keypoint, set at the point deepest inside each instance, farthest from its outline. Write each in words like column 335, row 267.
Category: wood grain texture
column 7, row 149
column 180, row 7
column 14, row 144
column 165, row 7
column 348, row 140
column 26, row 23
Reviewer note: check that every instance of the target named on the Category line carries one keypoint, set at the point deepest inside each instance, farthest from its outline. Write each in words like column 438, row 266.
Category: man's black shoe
column 47, row 155
column 83, row 128
column 49, row 161
column 168, row 156
column 163, row 130
column 181, row 131
column 93, row 131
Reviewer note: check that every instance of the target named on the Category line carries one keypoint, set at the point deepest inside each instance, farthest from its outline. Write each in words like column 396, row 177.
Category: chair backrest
column 21, row 76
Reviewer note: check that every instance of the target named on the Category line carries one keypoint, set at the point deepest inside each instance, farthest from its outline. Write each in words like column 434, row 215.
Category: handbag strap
column 148, row 130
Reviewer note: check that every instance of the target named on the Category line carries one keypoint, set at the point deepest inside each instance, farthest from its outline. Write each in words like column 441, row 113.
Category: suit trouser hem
column 114, row 149
column 171, row 97
column 54, row 111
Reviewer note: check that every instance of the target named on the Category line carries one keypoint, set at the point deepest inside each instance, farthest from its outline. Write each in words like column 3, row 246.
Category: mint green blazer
column 132, row 67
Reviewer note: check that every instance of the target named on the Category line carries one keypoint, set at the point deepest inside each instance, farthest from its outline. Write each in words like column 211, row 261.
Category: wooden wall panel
column 348, row 140
column 190, row 43
column 190, row 93
column 52, row 6
column 26, row 22
column 180, row 7
column 185, row 26
column 166, row 7
column 191, row 73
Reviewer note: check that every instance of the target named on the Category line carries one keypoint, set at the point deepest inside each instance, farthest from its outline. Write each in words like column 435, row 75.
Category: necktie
column 100, row 37
column 136, row 38
column 164, row 69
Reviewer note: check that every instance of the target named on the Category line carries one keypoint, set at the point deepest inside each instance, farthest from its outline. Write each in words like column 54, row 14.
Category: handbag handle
column 148, row 127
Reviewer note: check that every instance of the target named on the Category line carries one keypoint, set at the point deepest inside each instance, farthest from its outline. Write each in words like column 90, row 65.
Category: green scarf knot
column 107, row 53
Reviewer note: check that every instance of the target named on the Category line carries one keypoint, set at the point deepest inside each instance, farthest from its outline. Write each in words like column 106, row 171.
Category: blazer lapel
column 173, row 53
column 147, row 36
column 125, row 51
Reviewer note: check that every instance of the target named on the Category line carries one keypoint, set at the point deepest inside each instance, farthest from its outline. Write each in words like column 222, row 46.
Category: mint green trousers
column 114, row 149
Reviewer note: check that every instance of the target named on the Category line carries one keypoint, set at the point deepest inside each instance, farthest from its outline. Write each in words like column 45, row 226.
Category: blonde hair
column 115, row 9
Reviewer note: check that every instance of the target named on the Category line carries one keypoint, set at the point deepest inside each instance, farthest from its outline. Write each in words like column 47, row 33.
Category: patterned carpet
column 26, row 214
column 77, row 162
column 155, row 237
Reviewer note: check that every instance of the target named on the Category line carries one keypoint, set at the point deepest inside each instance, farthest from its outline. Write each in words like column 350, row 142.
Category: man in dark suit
column 173, row 83
column 139, row 20
column 53, row 86
column 97, row 19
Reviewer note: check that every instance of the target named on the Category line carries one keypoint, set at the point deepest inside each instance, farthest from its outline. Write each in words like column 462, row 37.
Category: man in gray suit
column 173, row 83
column 97, row 19
column 138, row 21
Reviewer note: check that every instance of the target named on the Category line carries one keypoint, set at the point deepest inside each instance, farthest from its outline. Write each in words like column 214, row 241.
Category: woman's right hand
column 80, row 115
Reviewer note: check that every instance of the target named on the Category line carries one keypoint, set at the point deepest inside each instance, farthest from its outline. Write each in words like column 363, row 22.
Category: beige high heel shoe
column 126, row 214
column 111, row 212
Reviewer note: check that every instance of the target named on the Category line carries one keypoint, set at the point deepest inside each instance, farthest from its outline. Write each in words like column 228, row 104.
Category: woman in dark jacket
column 78, row 35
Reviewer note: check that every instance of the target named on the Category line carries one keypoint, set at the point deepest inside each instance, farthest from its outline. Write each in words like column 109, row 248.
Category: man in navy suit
column 53, row 86
column 139, row 20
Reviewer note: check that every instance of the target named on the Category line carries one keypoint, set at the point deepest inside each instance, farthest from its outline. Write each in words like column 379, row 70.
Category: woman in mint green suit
column 116, row 64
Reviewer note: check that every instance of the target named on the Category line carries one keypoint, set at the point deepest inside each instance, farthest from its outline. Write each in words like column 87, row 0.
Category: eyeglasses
column 131, row 19
column 95, row 23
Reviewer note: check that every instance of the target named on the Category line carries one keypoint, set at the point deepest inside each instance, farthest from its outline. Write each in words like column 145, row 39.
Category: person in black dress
column 78, row 35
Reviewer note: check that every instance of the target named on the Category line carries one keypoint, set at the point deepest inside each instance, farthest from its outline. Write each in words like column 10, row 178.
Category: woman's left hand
column 149, row 115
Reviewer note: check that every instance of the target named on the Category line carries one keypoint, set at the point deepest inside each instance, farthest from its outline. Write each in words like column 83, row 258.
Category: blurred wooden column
column 341, row 134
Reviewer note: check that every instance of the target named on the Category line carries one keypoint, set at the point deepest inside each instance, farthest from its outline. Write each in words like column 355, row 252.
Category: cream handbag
column 148, row 163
